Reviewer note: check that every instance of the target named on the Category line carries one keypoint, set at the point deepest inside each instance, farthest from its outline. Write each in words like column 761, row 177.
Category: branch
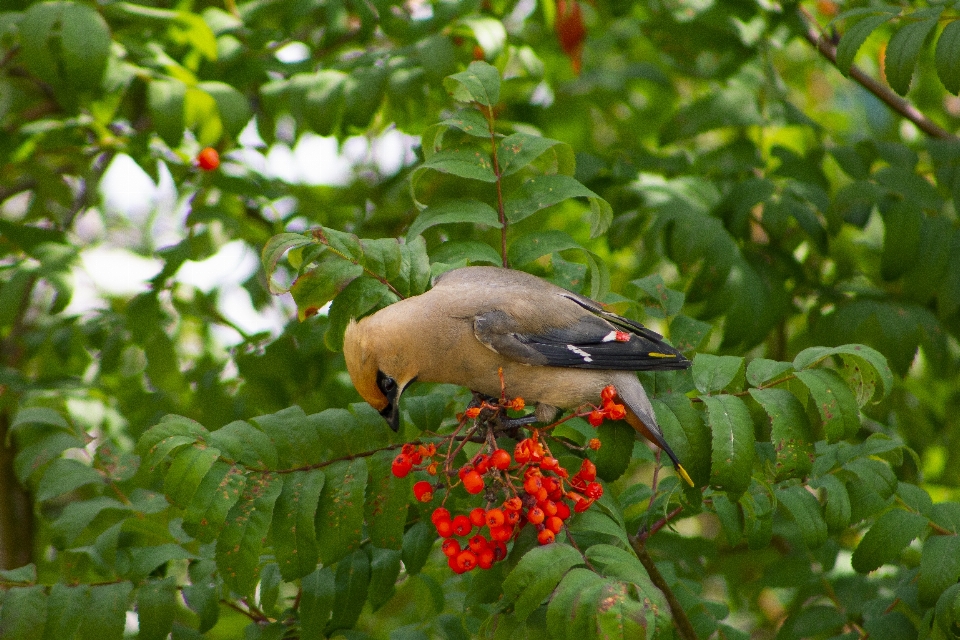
column 816, row 36
column 684, row 627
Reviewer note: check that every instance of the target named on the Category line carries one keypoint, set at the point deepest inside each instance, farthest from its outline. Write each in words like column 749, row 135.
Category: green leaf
column 617, row 440
column 166, row 99
column 470, row 121
column 37, row 28
column 351, row 585
column 537, row 575
column 39, row 416
column 464, row 163
column 572, row 610
column 316, row 603
column 731, row 519
column 464, row 252
column 715, row 373
column 854, row 37
column 948, row 611
column 614, row 562
column 320, row 285
column 339, row 517
column 837, row 510
column 384, row 571
column 292, row 529
column 244, row 443
column 732, row 452
column 518, row 150
column 789, row 431
column 63, row 476
column 866, row 369
column 244, row 531
column 806, row 513
column 904, row 48
column 939, row 567
column 294, row 435
column 85, row 45
column 417, row 544
column 187, row 470
column 203, row 594
column 274, row 249
column 106, row 612
column 233, row 107
column 684, row 429
column 541, row 192
column 947, row 57
column 761, row 370
column 888, row 536
column 23, row 613
column 687, row 333
column 834, row 401
column 596, row 526
column 667, row 301
column 903, row 224
column 385, row 512
column 536, row 244
column 454, row 211
column 479, row 83
column 152, row 443
column 156, row 608
column 66, row 606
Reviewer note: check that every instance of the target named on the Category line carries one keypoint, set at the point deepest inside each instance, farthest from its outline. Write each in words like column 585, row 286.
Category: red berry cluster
column 611, row 409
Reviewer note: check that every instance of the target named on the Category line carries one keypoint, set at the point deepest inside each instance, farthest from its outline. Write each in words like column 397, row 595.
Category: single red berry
column 501, row 534
column 549, row 463
column 473, row 482
column 452, row 563
column 595, row 418
column 500, row 459
column 423, row 491
column 495, row 518
column 461, row 525
column 594, row 443
column 450, row 547
column 444, row 528
column 478, row 517
column 511, row 518
column 616, row 412
column 467, row 560
column 521, row 453
column 563, row 511
column 536, row 515
column 553, row 523
column 486, row 557
column 588, row 470
column 513, row 504
column 481, row 463
column 499, row 550
column 464, row 470
column 593, row 491
column 608, row 394
column 401, row 466
column 582, row 505
column 208, row 159
column 440, row 514
column 473, row 412
column 478, row 543
column 549, row 507
column 545, row 536
column 532, row 484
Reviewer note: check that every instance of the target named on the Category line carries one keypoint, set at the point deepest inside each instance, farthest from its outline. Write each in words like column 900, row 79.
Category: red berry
column 593, row 491
column 563, row 511
column 208, row 159
column 616, row 412
column 452, row 563
column 499, row 550
column 423, row 491
column 478, row 517
column 481, row 463
column 501, row 534
column 545, row 536
column 495, row 518
column 500, row 459
column 473, row 412
column 461, row 525
column 478, row 543
column 511, row 518
column 440, row 514
column 595, row 418
column 450, row 547
column 608, row 394
column 401, row 466
column 536, row 515
column 549, row 507
column 549, row 463
column 521, row 453
column 464, row 470
column 513, row 504
column 582, row 505
column 532, row 484
column 466, row 560
column 588, row 470
column 594, row 443
column 473, row 482
column 553, row 523
column 444, row 528
column 486, row 557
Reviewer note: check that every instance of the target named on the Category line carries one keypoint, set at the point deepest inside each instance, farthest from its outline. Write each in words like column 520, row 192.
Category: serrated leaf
column 762, row 370
column 414, row 276
column 541, row 192
column 351, row 584
column 339, row 517
column 318, row 286
column 731, row 519
column 684, row 428
column 385, row 512
column 569, row 611
column 465, row 251
column 597, row 526
column 939, row 567
column 537, row 575
column 714, row 373
column 836, row 508
column 687, row 333
column 417, row 543
column 63, row 476
column 470, row 121
column 623, row 614
column 186, row 472
column 732, row 451
column 23, row 613
column 294, row 435
column 806, row 513
column 274, row 249
column 854, row 37
column 316, row 603
column 518, row 150
column 65, row 610
column 451, row 212
column 904, row 49
column 614, row 562
column 39, row 415
column 106, row 612
column 169, row 426
column 202, row 595
column 616, row 449
column 244, row 531
column 244, row 443
column 888, row 536
column 479, row 83
column 292, row 529
column 536, row 244
column 218, row 492
column 384, row 571
column 947, row 57
column 668, row 301
column 865, row 368
column 156, row 607
column 789, row 431
column 834, row 402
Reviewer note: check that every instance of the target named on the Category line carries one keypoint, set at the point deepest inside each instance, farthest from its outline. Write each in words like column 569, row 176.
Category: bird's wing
column 595, row 340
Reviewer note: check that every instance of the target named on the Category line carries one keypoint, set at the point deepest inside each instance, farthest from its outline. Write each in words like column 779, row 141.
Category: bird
column 500, row 331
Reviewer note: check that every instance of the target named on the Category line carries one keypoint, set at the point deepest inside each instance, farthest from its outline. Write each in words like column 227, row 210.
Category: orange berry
column 439, row 514
column 444, row 528
column 478, row 517
column 594, row 443
column 423, row 491
column 461, row 525
column 481, row 463
column 473, row 412
column 478, row 543
column 595, row 418
column 553, row 523
column 467, row 560
column 588, row 470
column 501, row 534
column 500, row 459
column 401, row 466
column 513, row 504
column 450, row 547
column 545, row 536
column 536, row 515
column 549, row 463
column 549, row 507
column 563, row 511
column 473, row 482
column 521, row 453
column 512, row 518
column 609, row 393
column 486, row 557
column 208, row 159
column 495, row 518
column 616, row 412
column 432, row 468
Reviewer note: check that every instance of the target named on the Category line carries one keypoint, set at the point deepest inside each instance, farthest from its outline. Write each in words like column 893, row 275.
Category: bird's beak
column 391, row 412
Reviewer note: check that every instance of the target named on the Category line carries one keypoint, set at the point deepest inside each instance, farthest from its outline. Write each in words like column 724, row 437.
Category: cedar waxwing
column 556, row 348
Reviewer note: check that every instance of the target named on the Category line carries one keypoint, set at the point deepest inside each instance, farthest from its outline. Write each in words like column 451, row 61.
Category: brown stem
column 684, row 627
column 501, row 213
column 815, row 35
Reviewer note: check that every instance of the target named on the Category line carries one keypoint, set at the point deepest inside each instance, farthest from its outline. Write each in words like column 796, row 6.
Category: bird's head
column 379, row 365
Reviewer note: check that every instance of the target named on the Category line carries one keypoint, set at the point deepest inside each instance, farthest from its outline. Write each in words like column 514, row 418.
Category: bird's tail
column 640, row 416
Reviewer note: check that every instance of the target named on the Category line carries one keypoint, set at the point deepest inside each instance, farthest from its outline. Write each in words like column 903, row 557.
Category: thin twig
column 816, row 36
column 684, row 627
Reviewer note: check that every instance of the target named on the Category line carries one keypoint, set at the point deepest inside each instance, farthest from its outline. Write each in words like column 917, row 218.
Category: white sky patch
column 233, row 264
column 128, row 190
column 293, row 52
column 320, row 161
column 108, row 271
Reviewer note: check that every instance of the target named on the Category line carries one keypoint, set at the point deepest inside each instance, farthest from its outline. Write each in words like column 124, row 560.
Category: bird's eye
column 387, row 384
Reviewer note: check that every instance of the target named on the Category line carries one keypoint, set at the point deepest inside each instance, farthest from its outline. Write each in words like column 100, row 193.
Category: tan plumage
column 556, row 348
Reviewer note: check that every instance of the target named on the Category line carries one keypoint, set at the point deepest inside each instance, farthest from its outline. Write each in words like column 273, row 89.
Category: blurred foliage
column 696, row 165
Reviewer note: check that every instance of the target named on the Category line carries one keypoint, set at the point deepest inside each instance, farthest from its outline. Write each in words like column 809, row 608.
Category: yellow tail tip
column 683, row 474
